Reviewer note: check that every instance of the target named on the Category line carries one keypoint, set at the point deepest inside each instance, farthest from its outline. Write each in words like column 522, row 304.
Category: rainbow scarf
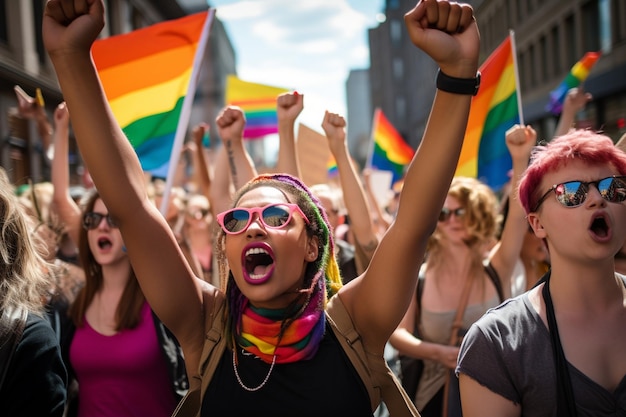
column 260, row 332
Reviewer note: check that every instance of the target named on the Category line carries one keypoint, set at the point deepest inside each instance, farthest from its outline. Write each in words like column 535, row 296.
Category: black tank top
column 327, row 385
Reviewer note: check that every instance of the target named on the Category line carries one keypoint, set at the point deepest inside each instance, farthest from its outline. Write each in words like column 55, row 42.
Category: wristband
column 467, row 86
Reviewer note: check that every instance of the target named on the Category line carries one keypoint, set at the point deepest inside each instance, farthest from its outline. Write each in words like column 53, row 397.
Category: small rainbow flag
column 331, row 167
column 494, row 110
column 578, row 74
column 149, row 76
column 390, row 152
column 258, row 102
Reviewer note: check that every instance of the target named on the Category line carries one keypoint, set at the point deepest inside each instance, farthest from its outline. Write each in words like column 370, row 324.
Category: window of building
column 604, row 11
column 591, row 26
column 544, row 59
column 395, row 31
column 38, row 7
column 4, row 33
column 570, row 43
column 398, row 68
column 400, row 107
column 555, row 37
column 533, row 66
column 618, row 13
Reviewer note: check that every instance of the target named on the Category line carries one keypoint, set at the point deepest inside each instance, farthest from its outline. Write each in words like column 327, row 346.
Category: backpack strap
column 495, row 278
column 12, row 325
column 212, row 350
column 379, row 380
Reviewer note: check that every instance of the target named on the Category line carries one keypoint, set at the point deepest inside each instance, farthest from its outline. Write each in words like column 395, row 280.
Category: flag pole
column 520, row 111
column 370, row 151
column 183, row 121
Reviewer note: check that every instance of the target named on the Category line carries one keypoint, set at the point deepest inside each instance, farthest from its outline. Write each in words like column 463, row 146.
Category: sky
column 308, row 45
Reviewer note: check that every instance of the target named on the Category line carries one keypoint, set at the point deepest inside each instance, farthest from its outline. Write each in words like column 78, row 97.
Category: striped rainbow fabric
column 494, row 110
column 331, row 167
column 258, row 102
column 146, row 76
column 390, row 152
column 578, row 74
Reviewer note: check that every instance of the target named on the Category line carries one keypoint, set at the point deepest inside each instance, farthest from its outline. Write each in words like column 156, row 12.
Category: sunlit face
column 105, row 242
column 453, row 228
column 197, row 212
column 269, row 264
column 591, row 232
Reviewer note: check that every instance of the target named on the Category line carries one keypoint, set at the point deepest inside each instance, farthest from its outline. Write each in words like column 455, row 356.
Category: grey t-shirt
column 509, row 351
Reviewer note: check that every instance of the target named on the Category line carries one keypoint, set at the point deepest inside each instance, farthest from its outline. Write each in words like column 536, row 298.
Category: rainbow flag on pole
column 149, row 76
column 389, row 151
column 258, row 102
column 494, row 110
column 578, row 74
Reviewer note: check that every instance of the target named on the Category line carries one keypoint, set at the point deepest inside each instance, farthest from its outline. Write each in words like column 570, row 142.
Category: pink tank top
column 122, row 375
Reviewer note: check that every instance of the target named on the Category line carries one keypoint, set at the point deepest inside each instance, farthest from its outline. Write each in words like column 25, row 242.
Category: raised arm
column 32, row 108
column 200, row 167
column 288, row 108
column 63, row 204
column 575, row 100
column 361, row 225
column 174, row 293
column 378, row 300
column 520, row 141
column 230, row 123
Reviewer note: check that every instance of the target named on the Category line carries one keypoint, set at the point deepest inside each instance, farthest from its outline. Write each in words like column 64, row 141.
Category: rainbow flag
column 149, row 77
column 578, row 74
column 331, row 167
column 390, row 152
column 494, row 110
column 258, row 102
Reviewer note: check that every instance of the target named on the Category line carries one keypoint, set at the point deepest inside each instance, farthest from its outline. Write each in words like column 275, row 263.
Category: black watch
column 467, row 86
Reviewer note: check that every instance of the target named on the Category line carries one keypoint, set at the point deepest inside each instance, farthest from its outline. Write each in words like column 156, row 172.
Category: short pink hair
column 584, row 145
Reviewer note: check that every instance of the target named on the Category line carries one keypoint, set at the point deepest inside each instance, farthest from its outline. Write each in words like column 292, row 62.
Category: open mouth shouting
column 599, row 228
column 257, row 262
column 104, row 243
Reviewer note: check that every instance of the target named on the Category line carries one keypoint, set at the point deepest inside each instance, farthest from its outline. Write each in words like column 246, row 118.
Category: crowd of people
column 254, row 293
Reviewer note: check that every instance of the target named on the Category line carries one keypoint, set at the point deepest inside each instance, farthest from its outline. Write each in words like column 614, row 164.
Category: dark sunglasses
column 92, row 220
column 273, row 216
column 574, row 193
column 446, row 213
column 203, row 213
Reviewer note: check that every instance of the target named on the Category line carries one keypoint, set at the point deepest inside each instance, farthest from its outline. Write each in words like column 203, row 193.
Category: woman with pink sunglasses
column 280, row 353
column 559, row 348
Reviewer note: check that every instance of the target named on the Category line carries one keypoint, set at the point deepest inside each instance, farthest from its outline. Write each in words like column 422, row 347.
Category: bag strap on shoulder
column 212, row 350
column 379, row 380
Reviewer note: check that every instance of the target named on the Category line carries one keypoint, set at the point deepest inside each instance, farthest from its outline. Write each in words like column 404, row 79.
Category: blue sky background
column 304, row 45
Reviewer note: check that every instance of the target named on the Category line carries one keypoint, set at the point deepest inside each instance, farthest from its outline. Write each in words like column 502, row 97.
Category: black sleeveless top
column 328, row 384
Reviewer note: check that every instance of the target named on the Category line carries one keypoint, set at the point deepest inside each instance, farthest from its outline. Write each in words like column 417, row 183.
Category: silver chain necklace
column 262, row 384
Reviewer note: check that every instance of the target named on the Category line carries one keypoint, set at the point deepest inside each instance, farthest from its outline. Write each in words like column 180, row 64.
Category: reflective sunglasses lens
column 92, row 220
column 276, row 216
column 236, row 220
column 571, row 194
column 613, row 189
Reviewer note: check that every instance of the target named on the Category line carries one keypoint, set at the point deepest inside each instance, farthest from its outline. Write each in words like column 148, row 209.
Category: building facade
column 550, row 37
